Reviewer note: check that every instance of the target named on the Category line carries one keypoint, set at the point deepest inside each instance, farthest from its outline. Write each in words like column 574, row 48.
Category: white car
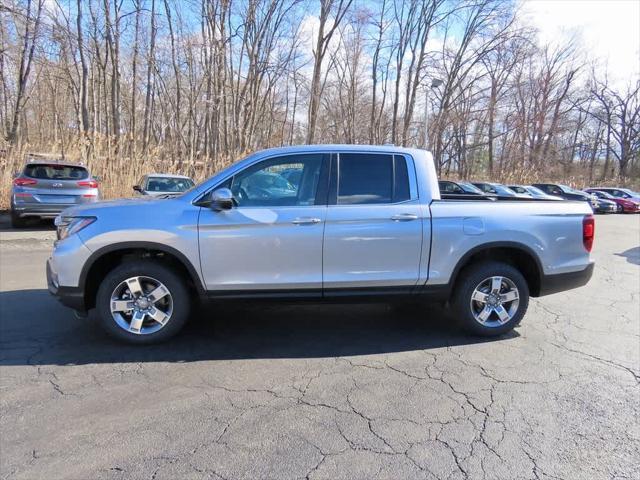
column 157, row 184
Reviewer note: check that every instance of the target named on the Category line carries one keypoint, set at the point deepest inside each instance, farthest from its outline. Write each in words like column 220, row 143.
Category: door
column 373, row 233
column 272, row 239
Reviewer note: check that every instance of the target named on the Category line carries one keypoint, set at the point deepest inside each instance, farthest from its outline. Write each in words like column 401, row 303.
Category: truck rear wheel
column 143, row 302
column 491, row 298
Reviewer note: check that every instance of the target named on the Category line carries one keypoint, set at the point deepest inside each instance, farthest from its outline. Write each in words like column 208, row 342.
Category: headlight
column 67, row 226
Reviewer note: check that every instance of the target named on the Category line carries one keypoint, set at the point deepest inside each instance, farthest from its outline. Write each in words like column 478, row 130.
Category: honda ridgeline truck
column 317, row 222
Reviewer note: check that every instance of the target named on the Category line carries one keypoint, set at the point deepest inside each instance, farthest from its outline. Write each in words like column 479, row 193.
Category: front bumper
column 607, row 209
column 72, row 297
column 565, row 281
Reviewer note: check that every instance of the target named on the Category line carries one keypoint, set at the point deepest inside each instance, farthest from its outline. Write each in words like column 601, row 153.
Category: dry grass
column 119, row 172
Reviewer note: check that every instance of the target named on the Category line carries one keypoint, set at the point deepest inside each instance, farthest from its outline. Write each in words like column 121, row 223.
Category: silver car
column 361, row 221
column 45, row 188
column 161, row 184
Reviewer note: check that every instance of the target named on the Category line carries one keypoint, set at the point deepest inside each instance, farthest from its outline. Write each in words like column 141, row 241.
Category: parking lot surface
column 325, row 392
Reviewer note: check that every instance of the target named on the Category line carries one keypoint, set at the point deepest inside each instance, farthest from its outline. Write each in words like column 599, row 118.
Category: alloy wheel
column 495, row 301
column 141, row 305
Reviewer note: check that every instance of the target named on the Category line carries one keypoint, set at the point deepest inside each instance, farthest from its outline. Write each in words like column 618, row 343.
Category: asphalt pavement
column 324, row 391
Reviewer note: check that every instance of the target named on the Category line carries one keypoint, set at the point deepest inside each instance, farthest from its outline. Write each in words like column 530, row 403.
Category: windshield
column 518, row 189
column 467, row 187
column 535, row 190
column 168, row 184
column 568, row 189
column 55, row 172
column 601, row 194
column 502, row 190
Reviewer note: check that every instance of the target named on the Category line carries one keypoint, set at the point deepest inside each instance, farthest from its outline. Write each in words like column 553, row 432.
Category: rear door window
column 365, row 178
column 56, row 172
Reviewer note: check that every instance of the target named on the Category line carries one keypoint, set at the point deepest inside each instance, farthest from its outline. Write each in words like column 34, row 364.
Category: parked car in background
column 518, row 189
column 605, row 206
column 363, row 222
column 568, row 193
column 43, row 189
column 157, row 184
column 533, row 192
column 537, row 193
column 458, row 188
column 620, row 193
column 498, row 189
column 625, row 205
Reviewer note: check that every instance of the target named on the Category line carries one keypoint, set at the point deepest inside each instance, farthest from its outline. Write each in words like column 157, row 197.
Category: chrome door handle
column 404, row 217
column 306, row 221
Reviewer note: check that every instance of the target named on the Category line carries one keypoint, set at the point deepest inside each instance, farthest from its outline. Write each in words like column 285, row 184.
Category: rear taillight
column 588, row 232
column 88, row 184
column 23, row 182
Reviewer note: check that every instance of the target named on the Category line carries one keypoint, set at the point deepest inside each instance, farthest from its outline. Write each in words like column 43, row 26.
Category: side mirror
column 137, row 188
column 221, row 199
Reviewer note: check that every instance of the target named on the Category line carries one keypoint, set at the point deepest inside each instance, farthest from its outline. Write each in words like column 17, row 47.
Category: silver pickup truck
column 317, row 222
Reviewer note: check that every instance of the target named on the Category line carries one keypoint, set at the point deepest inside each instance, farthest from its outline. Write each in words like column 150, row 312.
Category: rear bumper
column 565, row 281
column 72, row 297
column 40, row 210
column 33, row 208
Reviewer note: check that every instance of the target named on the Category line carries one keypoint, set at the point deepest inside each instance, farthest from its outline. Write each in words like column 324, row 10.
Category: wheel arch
column 516, row 254
column 106, row 258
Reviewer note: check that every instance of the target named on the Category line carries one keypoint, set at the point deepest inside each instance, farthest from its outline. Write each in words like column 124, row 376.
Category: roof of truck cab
column 340, row 147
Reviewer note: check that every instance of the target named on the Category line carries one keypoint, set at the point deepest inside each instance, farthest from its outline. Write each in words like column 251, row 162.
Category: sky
column 608, row 29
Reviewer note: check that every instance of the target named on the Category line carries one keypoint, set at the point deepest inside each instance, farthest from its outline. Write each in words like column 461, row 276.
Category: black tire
column 175, row 283
column 474, row 276
column 17, row 221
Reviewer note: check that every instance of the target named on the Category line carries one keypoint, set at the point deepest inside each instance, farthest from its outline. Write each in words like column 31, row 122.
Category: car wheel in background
column 143, row 302
column 491, row 298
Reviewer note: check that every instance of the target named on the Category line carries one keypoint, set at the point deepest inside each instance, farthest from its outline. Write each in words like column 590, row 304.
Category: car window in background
column 620, row 193
column 533, row 189
column 264, row 185
column 552, row 190
column 518, row 189
column 448, row 187
column 568, row 189
column 500, row 190
column 168, row 184
column 606, row 195
column 366, row 178
column 55, row 172
column 470, row 188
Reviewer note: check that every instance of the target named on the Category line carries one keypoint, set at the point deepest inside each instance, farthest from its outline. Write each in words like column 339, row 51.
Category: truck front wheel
column 142, row 301
column 491, row 298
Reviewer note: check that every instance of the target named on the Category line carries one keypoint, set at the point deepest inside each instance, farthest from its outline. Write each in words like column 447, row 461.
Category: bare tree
column 31, row 31
column 336, row 9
